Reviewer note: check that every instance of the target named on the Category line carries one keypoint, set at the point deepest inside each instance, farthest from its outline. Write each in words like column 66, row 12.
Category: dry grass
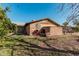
column 65, row 42
column 47, row 46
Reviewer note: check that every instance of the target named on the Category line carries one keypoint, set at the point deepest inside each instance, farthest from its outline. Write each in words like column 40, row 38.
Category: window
column 47, row 29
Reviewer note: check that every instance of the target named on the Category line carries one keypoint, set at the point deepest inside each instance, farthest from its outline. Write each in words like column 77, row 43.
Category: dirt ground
column 65, row 43
column 22, row 45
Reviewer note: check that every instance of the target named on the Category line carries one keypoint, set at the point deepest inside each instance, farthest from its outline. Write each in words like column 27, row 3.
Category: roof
column 42, row 20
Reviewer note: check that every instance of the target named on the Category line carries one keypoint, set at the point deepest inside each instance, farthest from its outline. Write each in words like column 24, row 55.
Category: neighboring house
column 68, row 29
column 43, row 27
column 20, row 29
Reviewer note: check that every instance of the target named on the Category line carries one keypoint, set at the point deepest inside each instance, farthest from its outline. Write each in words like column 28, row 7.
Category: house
column 68, row 29
column 43, row 27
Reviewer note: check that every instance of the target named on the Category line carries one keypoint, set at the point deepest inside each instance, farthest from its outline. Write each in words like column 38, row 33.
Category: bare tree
column 73, row 8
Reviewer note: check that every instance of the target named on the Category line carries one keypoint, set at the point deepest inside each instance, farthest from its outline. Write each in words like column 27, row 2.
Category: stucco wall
column 28, row 30
column 40, row 24
column 54, row 30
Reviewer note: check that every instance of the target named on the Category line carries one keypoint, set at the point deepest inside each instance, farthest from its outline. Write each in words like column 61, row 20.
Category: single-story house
column 43, row 27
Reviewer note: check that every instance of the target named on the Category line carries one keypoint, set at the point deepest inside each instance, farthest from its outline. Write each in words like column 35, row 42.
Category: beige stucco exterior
column 54, row 29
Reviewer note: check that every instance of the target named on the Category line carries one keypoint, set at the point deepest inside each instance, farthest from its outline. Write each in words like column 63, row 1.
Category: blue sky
column 21, row 13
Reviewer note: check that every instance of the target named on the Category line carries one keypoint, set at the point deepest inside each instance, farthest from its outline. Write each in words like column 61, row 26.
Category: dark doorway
column 43, row 32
